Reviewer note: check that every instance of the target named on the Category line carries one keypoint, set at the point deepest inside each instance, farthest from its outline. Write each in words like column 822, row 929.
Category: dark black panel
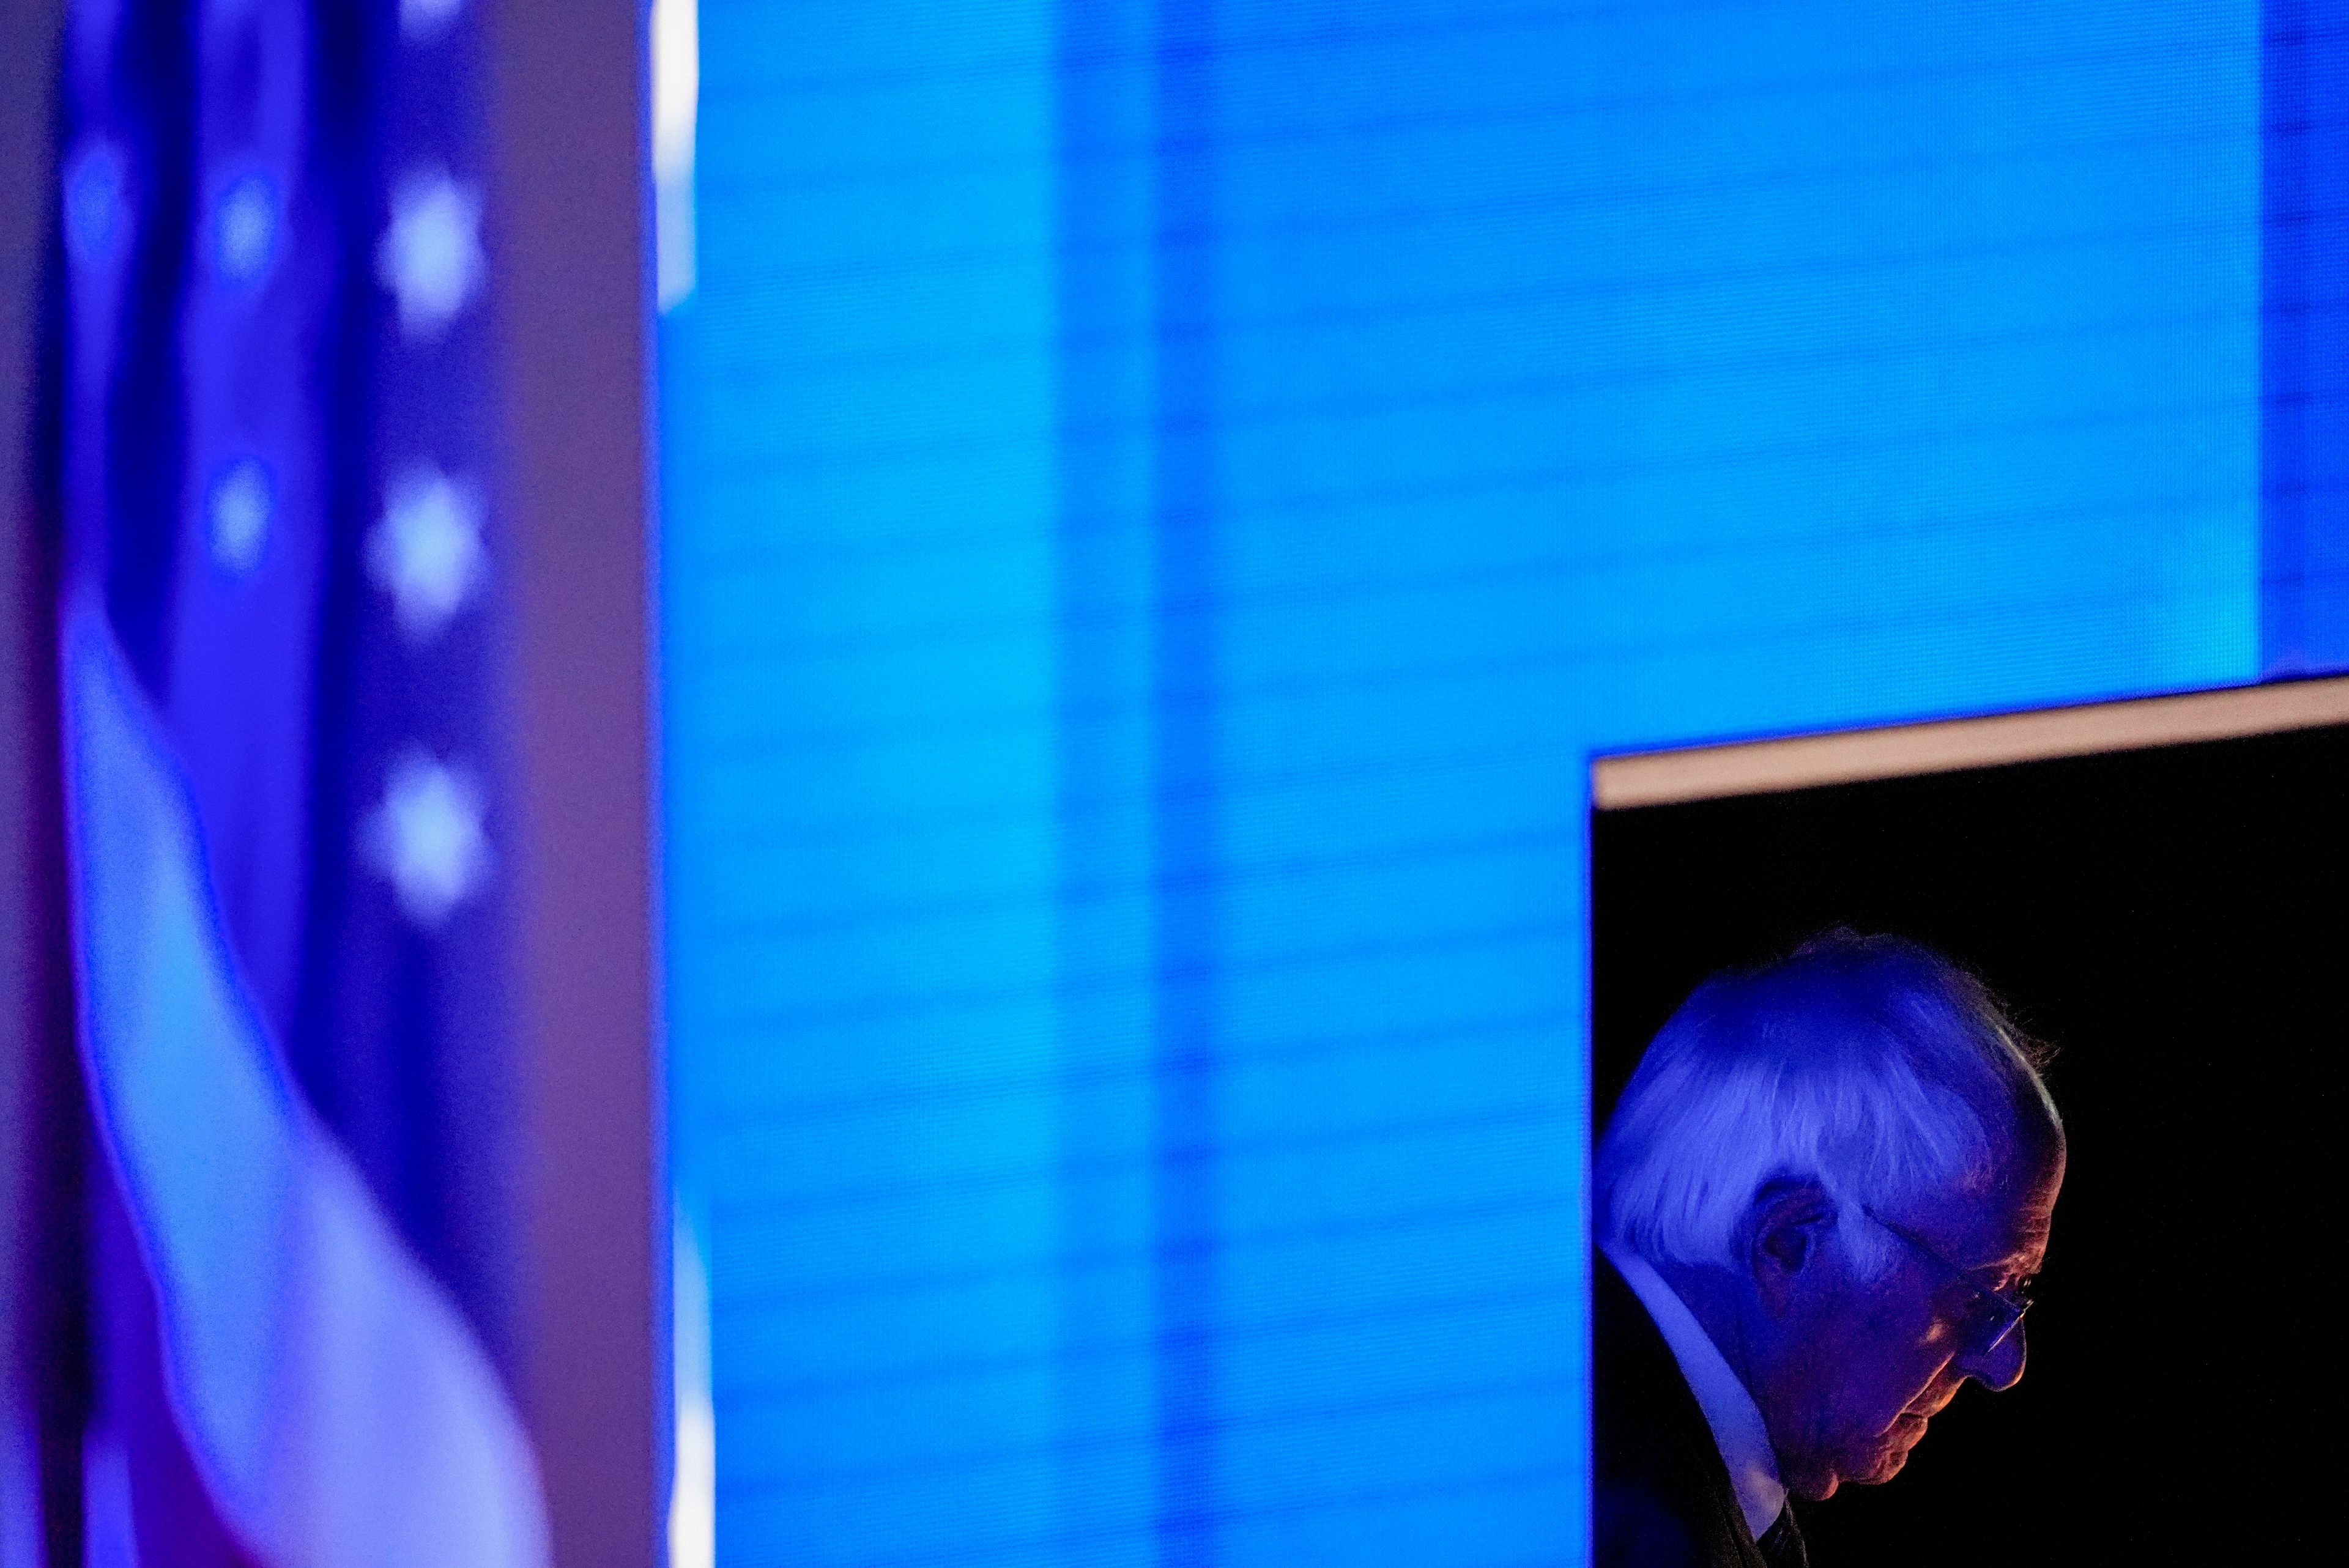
column 2173, row 921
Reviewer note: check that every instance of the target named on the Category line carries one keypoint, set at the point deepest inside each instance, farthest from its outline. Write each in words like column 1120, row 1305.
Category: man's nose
column 2001, row 1366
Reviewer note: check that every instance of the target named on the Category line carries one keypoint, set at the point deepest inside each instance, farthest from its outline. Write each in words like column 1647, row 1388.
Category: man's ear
column 1786, row 1229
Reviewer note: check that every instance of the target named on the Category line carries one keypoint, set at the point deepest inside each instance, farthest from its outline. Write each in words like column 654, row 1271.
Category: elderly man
column 1819, row 1205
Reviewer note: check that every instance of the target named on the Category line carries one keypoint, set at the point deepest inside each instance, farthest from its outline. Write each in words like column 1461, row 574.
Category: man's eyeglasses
column 1985, row 1324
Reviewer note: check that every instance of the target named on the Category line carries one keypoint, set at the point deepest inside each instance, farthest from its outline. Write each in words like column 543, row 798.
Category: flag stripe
column 342, row 1409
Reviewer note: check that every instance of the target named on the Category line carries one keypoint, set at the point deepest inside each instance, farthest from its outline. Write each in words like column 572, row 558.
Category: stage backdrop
column 1162, row 501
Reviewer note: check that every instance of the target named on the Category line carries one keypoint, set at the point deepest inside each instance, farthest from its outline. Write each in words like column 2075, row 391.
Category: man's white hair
column 1867, row 1064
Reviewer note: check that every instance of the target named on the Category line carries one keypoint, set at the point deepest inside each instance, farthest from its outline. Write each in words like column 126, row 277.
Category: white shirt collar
column 1729, row 1409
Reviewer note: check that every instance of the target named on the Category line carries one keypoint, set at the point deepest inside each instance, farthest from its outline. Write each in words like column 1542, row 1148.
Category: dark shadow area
column 2176, row 921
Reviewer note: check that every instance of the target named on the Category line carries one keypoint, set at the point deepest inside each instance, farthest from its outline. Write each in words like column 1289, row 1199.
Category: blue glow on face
column 1155, row 528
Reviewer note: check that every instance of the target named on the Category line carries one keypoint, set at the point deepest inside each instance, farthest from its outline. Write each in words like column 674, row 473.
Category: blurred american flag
column 281, row 672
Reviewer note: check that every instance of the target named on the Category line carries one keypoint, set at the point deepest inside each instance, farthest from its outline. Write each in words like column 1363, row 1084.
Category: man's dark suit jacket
column 1660, row 1493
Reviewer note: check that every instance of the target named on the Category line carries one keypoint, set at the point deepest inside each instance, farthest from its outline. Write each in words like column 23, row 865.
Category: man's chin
column 1889, row 1455
column 1882, row 1459
column 1880, row 1469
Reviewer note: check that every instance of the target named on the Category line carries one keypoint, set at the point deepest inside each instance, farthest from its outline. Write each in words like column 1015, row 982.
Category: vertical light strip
column 693, row 1488
column 677, row 97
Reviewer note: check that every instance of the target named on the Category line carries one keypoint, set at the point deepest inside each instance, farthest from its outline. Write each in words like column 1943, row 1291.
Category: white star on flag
column 245, row 230
column 427, row 551
column 432, row 257
column 427, row 838
column 241, row 504
column 95, row 212
column 421, row 21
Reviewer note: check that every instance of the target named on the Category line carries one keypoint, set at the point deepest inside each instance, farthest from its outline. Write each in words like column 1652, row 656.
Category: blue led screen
column 1161, row 504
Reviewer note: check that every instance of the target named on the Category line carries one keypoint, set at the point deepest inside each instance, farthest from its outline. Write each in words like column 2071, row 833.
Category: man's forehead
column 2006, row 1226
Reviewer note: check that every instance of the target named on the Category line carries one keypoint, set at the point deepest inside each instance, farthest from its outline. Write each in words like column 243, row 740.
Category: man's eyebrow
column 2021, row 1261
column 2024, row 1263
